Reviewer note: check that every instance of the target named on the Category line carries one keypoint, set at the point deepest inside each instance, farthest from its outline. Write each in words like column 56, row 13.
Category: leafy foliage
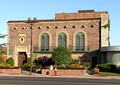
column 1, row 45
column 5, row 65
column 44, row 61
column 2, row 36
column 10, row 61
column 26, row 65
column 118, row 69
column 96, row 70
column 88, row 65
column 107, row 67
column 1, row 59
column 61, row 55
column 34, row 65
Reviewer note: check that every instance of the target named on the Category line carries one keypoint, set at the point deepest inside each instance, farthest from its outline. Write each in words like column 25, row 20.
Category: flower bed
column 60, row 72
column 15, row 71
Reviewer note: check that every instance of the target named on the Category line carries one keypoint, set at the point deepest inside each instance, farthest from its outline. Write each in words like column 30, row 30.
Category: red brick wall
column 84, row 14
column 10, row 71
column 92, row 33
column 60, row 72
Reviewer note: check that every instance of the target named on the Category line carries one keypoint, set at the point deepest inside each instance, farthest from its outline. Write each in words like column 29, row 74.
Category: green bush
column 107, row 68
column 3, row 64
column 55, row 66
column 1, row 59
column 44, row 61
column 87, row 65
column 10, row 61
column 118, row 69
column 61, row 55
column 76, row 66
column 104, row 68
column 7, row 66
column 62, row 66
column 113, row 68
column 26, row 65
column 28, row 60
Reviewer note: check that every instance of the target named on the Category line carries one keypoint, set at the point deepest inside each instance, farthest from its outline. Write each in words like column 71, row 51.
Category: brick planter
column 10, row 71
column 96, row 74
column 60, row 72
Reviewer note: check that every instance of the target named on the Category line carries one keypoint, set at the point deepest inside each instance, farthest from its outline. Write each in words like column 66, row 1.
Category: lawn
column 109, row 74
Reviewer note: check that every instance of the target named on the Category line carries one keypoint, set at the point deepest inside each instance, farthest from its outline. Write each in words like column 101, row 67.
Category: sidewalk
column 63, row 76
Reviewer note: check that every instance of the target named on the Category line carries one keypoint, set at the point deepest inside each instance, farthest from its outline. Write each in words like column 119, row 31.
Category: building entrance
column 94, row 61
column 22, row 58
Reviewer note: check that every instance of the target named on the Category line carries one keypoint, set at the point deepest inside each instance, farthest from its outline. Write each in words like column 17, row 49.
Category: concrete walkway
column 27, row 74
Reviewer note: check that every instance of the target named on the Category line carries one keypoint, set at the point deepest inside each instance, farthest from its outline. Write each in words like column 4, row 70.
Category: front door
column 22, row 58
column 94, row 61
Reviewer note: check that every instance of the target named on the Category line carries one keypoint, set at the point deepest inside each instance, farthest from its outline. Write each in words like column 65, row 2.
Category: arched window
column 62, row 39
column 80, row 42
column 45, row 42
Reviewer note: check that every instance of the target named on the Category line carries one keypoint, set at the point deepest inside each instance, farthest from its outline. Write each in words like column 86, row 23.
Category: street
column 5, row 80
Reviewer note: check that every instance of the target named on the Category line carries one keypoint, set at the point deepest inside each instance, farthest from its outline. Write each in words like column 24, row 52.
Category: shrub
column 118, row 69
column 26, row 65
column 61, row 55
column 6, row 65
column 44, row 61
column 107, row 67
column 74, row 66
column 62, row 66
column 96, row 70
column 28, row 60
column 87, row 65
column 1, row 59
column 77, row 66
column 10, row 61
column 113, row 67
column 55, row 66
column 104, row 68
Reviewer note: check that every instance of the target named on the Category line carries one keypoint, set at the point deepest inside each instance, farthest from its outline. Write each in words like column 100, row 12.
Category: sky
column 46, row 9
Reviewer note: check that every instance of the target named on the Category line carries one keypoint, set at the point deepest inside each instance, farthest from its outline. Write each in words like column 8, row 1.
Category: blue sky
column 46, row 9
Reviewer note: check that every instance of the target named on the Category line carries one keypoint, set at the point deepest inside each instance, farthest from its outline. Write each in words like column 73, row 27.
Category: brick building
column 82, row 32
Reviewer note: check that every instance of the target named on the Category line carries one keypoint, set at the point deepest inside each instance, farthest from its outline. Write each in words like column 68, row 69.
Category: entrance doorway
column 22, row 58
column 94, row 61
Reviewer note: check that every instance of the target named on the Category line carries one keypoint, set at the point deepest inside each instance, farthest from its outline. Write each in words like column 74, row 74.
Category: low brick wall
column 10, row 71
column 64, row 72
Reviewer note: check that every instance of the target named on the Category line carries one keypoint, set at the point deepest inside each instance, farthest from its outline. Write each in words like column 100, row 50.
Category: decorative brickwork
column 60, row 72
column 10, row 71
column 88, row 22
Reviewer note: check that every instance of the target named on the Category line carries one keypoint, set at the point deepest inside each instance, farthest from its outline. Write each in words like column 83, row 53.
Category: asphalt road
column 4, row 80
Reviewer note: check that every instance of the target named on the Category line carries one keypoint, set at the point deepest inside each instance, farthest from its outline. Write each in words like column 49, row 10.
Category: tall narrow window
column 62, row 39
column 45, row 42
column 80, row 42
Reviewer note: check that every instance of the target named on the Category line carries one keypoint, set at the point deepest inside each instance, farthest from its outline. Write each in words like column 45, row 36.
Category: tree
column 10, row 61
column 1, row 45
column 61, row 55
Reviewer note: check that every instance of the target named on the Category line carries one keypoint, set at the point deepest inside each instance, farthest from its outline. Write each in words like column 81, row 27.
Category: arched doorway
column 22, row 58
column 94, row 61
